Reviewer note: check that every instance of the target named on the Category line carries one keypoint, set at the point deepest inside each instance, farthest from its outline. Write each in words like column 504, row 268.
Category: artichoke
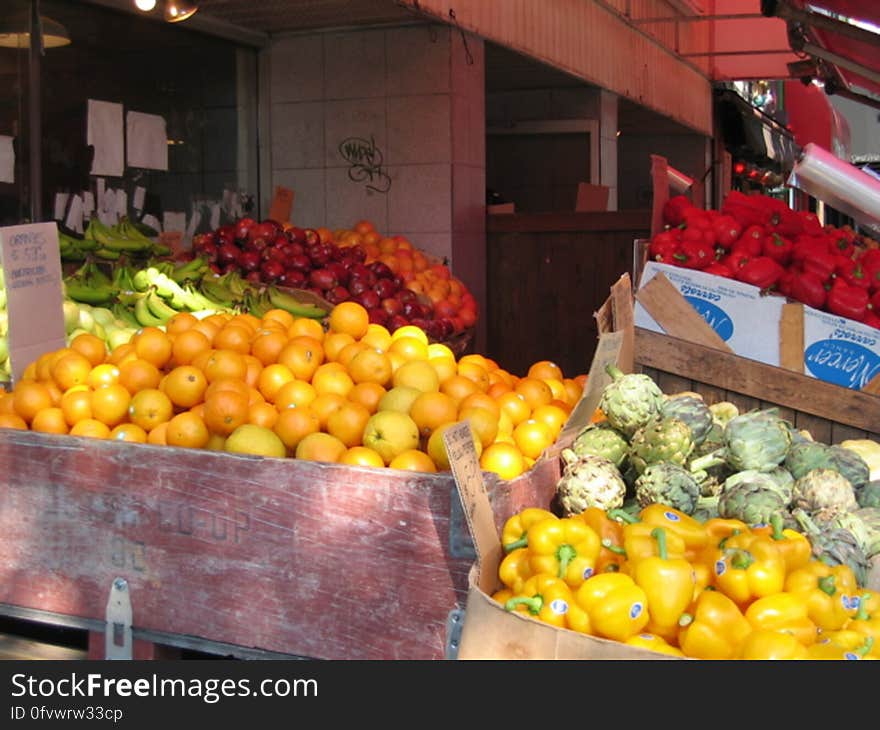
column 723, row 411
column 835, row 546
column 756, row 440
column 806, row 455
column 750, row 502
column 784, row 482
column 588, row 481
column 851, row 465
column 759, row 479
column 869, row 495
column 693, row 411
column 667, row 483
column 822, row 489
column 827, row 519
column 629, row 401
column 706, row 509
column 601, row 440
column 662, row 439
column 712, row 441
column 870, row 517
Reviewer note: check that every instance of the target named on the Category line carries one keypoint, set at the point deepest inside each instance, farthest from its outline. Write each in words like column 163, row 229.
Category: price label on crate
column 32, row 286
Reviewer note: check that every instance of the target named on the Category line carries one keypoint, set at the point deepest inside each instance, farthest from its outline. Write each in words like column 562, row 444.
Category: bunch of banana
column 216, row 289
column 90, row 285
column 179, row 297
column 189, row 271
column 73, row 248
column 122, row 238
column 285, row 300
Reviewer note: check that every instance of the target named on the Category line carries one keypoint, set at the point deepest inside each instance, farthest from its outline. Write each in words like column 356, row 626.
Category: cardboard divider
column 791, row 337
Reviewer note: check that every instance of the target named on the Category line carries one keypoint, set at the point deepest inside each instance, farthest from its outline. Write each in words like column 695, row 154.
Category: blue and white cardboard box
column 836, row 350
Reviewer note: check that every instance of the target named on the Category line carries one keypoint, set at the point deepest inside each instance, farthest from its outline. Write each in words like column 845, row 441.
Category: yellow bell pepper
column 703, row 577
column 691, row 531
column 610, row 532
column 616, row 606
column 515, row 569
column 866, row 621
column 843, row 644
column 794, row 546
column 770, row 644
column 829, row 592
column 714, row 629
column 567, row 548
column 668, row 583
column 717, row 528
column 514, row 532
column 785, row 613
column 638, row 543
column 546, row 598
column 748, row 568
column 653, row 642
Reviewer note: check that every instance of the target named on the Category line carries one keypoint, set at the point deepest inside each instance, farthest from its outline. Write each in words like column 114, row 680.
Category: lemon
column 258, row 440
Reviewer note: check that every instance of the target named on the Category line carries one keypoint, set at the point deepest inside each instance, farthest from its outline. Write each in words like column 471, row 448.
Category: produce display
column 760, row 240
column 693, row 529
column 111, row 243
column 336, row 389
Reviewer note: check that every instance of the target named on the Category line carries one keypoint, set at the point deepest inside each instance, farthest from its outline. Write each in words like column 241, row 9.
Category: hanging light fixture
column 176, row 11
column 15, row 31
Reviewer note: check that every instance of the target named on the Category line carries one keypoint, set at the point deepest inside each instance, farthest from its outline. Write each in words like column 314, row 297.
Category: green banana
column 140, row 280
column 125, row 313
column 191, row 270
column 216, row 292
column 160, row 249
column 199, row 300
column 128, row 230
column 257, row 302
column 143, row 315
column 168, row 289
column 288, row 302
column 159, row 307
column 96, row 277
column 80, row 292
column 238, row 286
column 107, row 254
column 113, row 240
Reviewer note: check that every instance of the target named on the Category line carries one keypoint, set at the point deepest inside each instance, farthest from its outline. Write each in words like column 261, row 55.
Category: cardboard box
column 835, row 349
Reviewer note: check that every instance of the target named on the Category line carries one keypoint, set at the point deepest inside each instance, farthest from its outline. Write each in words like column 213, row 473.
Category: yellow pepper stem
column 826, row 584
column 862, row 614
column 617, row 549
column 565, row 554
column 521, row 543
column 623, row 516
column 740, row 559
column 659, row 534
column 534, row 604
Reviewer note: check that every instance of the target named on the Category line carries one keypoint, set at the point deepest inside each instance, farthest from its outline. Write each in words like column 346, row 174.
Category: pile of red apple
column 297, row 258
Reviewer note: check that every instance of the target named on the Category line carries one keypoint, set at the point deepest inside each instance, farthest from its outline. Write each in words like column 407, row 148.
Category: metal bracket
column 454, row 622
column 117, row 630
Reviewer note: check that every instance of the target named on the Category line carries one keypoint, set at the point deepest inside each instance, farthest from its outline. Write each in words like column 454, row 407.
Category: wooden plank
column 819, row 428
column 791, row 337
column 744, row 403
column 622, row 312
column 841, row 432
column 675, row 315
column 872, row 386
column 755, row 379
column 671, row 384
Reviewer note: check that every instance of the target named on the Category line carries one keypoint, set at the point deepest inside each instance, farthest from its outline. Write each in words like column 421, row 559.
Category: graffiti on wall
column 365, row 163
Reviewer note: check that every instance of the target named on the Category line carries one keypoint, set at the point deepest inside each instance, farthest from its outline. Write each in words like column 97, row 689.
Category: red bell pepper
column 751, row 241
column 821, row 263
column 674, row 208
column 761, row 271
column 842, row 241
column 727, row 231
column 695, row 254
column 719, row 269
column 871, row 319
column 783, row 220
column 812, row 225
column 871, row 265
column 735, row 260
column 783, row 285
column 847, row 301
column 664, row 246
column 808, row 288
column 875, row 302
column 852, row 272
column 777, row 247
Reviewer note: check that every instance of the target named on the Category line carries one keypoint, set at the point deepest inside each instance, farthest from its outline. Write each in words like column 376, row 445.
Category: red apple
column 384, row 288
column 391, row 305
column 300, row 262
column 249, row 260
column 378, row 315
column 323, row 278
column 254, row 277
column 293, row 278
column 271, row 270
column 228, row 253
column 337, row 294
column 396, row 321
column 296, row 234
column 242, row 228
column 368, row 299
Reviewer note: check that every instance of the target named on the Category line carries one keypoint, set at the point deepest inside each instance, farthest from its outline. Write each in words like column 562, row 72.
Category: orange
column 438, row 349
column 331, row 377
column 553, row 415
column 324, row 404
column 400, row 399
column 481, row 400
column 225, row 410
column 418, row 374
column 150, row 407
column 281, row 316
column 180, row 322
column 93, row 347
column 413, row 460
column 377, row 337
column 188, row 430
column 153, row 345
column 247, row 320
column 532, row 437
column 544, row 370
column 320, row 446
column 271, row 378
column 138, row 374
column 294, row 424
column 110, row 404
column 102, row 375
column 498, row 387
column 410, row 330
column 128, row 432
column 216, row 442
column 43, row 366
column 536, row 392
column 76, row 404
column 361, row 456
column 294, row 394
column 234, row 337
column 262, row 414
column 72, row 368
column 409, row 348
column 253, row 369
column 158, row 435
column 514, row 405
column 11, row 420
column 475, row 372
column 574, row 389
column 334, row 342
column 6, row 402
column 225, row 364
column 345, row 355
column 367, row 394
column 234, row 384
column 185, row 386
column 91, row 428
column 483, row 421
column 250, row 438
column 503, row 459
column 30, row 397
column 55, row 393
column 349, row 317
column 347, row 423
column 432, row 409
column 50, row 420
column 370, row 366
column 557, row 388
column 446, row 367
column 306, row 326
column 122, row 353
column 302, row 355
column 267, row 345
column 208, row 329
column 186, row 345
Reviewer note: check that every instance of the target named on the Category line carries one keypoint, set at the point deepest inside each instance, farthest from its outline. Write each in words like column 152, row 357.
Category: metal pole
column 34, row 112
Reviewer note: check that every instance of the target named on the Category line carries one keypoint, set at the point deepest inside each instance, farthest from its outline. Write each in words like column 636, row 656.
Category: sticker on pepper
column 636, row 610
column 588, row 571
column 558, row 606
column 720, row 567
column 672, row 517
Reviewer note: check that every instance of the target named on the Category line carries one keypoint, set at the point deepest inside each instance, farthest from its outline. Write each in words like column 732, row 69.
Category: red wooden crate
column 294, row 557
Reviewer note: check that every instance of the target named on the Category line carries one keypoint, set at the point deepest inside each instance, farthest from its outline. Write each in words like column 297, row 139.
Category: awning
column 813, row 118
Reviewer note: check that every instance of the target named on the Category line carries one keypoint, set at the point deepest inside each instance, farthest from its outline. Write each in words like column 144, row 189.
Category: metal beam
column 782, row 9
column 842, row 62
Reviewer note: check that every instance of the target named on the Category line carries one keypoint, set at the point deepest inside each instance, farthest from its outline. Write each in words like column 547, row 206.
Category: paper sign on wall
column 32, row 273
column 7, row 159
column 104, row 132
column 282, row 205
column 147, row 140
column 60, row 205
column 74, row 220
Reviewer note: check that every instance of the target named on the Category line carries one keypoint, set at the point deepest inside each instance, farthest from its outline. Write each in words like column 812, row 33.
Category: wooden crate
column 239, row 555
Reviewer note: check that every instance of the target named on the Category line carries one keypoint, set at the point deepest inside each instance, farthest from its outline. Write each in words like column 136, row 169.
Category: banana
column 158, row 307
column 143, row 315
column 199, row 300
column 288, row 302
column 191, row 270
column 238, row 286
column 216, row 292
column 107, row 254
column 164, row 267
column 96, row 277
column 257, row 302
column 140, row 280
column 168, row 289
column 80, row 292
column 128, row 230
column 125, row 313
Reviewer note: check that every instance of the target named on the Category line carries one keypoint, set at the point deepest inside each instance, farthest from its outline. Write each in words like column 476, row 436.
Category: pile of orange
column 286, row 387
